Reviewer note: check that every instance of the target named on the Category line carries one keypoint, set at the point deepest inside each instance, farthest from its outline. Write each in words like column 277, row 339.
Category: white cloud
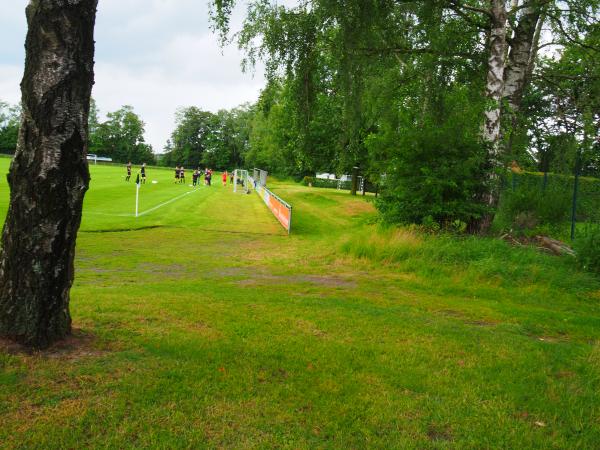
column 155, row 55
column 155, row 96
column 10, row 78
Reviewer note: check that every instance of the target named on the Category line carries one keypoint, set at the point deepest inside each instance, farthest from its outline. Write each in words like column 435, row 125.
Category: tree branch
column 456, row 4
column 479, row 25
column 531, row 4
column 417, row 51
column 568, row 37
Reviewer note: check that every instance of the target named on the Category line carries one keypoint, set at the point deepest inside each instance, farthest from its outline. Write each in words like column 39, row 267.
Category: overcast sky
column 155, row 55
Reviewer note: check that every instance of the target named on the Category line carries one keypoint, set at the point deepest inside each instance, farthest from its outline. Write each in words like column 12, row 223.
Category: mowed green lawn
column 201, row 324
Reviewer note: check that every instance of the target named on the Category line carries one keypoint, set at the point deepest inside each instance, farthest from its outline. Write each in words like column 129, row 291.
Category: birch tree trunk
column 515, row 77
column 495, row 79
column 521, row 62
column 49, row 173
column 492, row 117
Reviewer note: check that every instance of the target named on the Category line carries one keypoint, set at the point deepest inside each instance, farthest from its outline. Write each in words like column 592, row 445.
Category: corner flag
column 137, row 194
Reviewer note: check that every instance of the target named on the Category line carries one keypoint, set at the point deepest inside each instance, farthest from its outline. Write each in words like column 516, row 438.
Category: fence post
column 575, row 192
column 354, row 180
column 545, row 183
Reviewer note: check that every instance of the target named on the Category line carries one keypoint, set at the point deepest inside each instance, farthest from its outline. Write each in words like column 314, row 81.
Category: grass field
column 201, row 324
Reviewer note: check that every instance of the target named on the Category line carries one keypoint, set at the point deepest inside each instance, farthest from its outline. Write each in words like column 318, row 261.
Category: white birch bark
column 495, row 80
column 519, row 57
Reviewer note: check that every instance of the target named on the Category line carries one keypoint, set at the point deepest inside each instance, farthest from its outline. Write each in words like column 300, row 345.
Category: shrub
column 437, row 166
column 308, row 181
column 587, row 248
column 527, row 206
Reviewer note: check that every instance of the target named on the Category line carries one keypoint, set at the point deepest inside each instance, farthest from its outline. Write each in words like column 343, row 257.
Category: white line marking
column 165, row 203
column 144, row 212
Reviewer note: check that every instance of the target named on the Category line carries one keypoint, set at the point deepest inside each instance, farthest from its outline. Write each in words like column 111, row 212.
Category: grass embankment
column 206, row 326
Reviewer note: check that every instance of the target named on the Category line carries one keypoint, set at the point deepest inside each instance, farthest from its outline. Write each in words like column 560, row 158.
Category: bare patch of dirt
column 325, row 281
column 328, row 281
column 122, row 230
column 437, row 433
column 177, row 271
column 310, row 328
column 226, row 272
column 80, row 344
column 451, row 313
column 480, row 323
column 565, row 374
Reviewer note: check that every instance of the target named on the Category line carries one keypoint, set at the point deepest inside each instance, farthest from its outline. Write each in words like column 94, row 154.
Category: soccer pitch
column 111, row 201
column 109, row 204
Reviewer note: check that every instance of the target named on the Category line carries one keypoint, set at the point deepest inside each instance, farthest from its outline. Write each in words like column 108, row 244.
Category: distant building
column 331, row 176
column 96, row 158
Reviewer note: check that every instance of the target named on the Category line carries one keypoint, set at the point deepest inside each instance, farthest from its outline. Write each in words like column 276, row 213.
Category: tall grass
column 472, row 258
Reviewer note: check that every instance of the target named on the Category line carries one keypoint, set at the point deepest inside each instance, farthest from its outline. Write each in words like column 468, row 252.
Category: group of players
column 142, row 172
column 180, row 175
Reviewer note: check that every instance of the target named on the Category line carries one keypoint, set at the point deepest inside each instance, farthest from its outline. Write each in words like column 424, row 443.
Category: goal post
column 260, row 177
column 240, row 179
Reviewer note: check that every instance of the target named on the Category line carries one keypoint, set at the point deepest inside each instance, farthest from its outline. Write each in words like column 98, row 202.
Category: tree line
column 416, row 92
column 201, row 138
column 440, row 96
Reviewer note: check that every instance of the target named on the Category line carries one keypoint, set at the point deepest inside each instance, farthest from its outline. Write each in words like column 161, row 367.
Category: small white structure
column 326, row 176
column 96, row 158
column 331, row 176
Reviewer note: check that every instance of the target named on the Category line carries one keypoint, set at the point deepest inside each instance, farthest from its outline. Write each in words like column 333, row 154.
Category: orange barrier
column 280, row 208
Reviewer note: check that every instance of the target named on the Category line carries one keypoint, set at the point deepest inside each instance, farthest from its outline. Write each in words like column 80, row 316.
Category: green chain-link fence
column 562, row 205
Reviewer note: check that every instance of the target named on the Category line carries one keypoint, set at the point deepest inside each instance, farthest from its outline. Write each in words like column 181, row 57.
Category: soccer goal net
column 240, row 181
column 260, row 177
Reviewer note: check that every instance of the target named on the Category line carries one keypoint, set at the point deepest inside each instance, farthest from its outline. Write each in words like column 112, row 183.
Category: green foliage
column 396, row 88
column 527, row 206
column 436, row 172
column 343, row 92
column 531, row 202
column 10, row 117
column 587, row 248
column 191, row 139
column 562, row 103
column 441, row 256
column 202, row 138
column 288, row 142
column 120, row 137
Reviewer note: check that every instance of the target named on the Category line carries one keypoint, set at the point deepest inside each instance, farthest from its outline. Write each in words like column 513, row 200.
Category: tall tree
column 49, row 174
column 193, row 137
column 450, row 51
column 121, row 137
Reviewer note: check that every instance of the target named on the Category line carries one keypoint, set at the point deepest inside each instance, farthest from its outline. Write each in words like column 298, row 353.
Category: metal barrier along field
column 281, row 209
